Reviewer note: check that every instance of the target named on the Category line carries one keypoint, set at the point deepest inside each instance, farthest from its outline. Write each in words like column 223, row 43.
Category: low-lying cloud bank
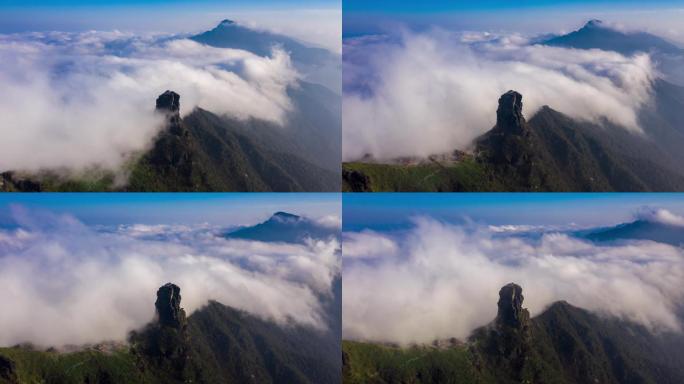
column 662, row 216
column 426, row 93
column 78, row 100
column 65, row 283
column 442, row 280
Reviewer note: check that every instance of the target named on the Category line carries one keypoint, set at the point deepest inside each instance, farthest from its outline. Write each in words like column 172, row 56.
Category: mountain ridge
column 202, row 152
column 640, row 230
column 550, row 152
column 564, row 344
column 596, row 34
column 284, row 227
column 216, row 344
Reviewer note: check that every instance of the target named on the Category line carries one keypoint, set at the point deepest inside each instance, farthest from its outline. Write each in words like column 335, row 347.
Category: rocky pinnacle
column 511, row 313
column 509, row 116
column 168, row 101
column 168, row 306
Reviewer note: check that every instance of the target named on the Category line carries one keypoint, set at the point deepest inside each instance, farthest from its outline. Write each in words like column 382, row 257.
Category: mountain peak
column 509, row 116
column 594, row 23
column 510, row 310
column 168, row 306
column 284, row 216
column 168, row 101
column 226, row 22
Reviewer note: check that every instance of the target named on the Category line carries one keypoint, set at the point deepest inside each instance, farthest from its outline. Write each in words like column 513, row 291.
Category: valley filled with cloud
column 438, row 279
column 80, row 100
column 70, row 283
column 418, row 93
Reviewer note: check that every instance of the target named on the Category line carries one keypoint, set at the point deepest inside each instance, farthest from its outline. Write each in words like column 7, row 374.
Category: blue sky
column 402, row 6
column 131, row 15
column 529, row 16
column 171, row 208
column 394, row 211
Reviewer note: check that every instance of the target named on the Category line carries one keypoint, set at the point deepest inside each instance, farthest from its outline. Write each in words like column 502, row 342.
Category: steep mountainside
column 312, row 130
column 204, row 152
column 216, row 344
column 556, row 153
column 564, row 344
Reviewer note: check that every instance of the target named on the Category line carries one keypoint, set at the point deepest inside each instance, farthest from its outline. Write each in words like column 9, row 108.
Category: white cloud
column 432, row 92
column 368, row 245
column 445, row 280
column 78, row 100
column 660, row 216
column 329, row 221
column 320, row 27
column 513, row 228
column 66, row 283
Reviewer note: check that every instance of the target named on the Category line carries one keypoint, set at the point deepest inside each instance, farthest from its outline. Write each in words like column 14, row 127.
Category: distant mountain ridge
column 230, row 34
column 641, row 230
column 284, row 227
column 317, row 64
column 595, row 34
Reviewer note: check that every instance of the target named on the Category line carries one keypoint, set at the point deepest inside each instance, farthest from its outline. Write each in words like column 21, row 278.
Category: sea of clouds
column 423, row 93
column 67, row 283
column 440, row 280
column 83, row 100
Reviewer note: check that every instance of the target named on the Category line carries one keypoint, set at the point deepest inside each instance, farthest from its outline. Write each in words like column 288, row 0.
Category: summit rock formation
column 165, row 344
column 510, row 311
column 509, row 116
column 168, row 307
column 508, row 148
column 169, row 101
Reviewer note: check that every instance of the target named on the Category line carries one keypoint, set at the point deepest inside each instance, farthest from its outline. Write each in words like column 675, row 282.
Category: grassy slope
column 379, row 364
column 79, row 367
column 467, row 175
